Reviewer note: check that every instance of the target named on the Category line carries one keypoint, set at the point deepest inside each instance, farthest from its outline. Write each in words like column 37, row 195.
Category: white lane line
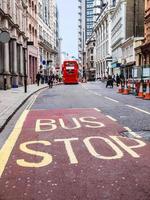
column 111, row 99
column 97, row 94
column 141, row 110
column 132, row 133
column 113, row 119
column 84, row 86
column 98, row 110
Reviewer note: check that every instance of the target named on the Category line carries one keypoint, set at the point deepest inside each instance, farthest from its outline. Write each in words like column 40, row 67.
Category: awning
column 128, row 64
column 115, row 65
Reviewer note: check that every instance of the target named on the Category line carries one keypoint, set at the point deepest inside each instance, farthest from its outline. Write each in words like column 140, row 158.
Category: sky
column 68, row 25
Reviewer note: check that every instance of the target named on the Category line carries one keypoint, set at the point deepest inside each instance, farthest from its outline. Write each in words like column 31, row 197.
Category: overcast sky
column 68, row 22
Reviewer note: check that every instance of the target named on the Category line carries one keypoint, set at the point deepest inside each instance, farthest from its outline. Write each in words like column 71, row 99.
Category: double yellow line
column 8, row 146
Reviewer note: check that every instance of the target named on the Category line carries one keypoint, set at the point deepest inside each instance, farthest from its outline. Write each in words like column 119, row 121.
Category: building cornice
column 117, row 6
column 103, row 16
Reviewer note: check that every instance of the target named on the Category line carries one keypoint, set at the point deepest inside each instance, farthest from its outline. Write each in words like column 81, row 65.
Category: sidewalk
column 11, row 100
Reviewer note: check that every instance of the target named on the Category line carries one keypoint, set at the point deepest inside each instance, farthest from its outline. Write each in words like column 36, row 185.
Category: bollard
column 5, row 82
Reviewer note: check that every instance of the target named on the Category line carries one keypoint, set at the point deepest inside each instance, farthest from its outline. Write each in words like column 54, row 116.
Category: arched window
column 35, row 9
column 35, row 33
column 30, row 3
column 46, row 14
column 30, row 28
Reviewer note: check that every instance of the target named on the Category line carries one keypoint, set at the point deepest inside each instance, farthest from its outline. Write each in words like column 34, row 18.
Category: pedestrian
column 114, row 77
column 57, row 78
column 117, row 80
column 51, row 80
column 38, row 77
column 109, row 81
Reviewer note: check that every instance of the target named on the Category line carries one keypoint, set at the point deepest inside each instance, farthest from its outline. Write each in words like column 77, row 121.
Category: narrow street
column 77, row 142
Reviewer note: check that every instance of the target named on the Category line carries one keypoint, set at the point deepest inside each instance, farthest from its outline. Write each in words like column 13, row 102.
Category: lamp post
column 25, row 69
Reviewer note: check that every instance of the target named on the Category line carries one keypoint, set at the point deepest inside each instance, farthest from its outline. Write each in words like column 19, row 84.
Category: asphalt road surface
column 77, row 142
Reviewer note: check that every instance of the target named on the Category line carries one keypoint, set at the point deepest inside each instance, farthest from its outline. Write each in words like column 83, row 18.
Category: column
column 21, row 60
column 15, row 74
column 6, row 58
column 6, row 67
column 21, row 66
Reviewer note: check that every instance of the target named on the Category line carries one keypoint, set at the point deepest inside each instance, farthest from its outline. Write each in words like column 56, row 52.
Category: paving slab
column 11, row 100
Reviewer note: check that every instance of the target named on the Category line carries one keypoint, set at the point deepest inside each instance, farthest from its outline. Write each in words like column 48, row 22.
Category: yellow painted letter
column 95, row 124
column 43, row 125
column 46, row 158
column 69, row 149
column 77, row 124
column 92, row 151
column 129, row 148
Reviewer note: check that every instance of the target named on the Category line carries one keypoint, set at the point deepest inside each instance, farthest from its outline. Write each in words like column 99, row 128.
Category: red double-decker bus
column 70, row 71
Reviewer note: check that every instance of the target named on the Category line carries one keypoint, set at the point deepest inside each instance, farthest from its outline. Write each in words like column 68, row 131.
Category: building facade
column 102, row 29
column 32, row 44
column 13, row 16
column 81, row 31
column 90, row 62
column 129, row 56
column 89, row 13
column 47, row 32
column 127, row 21
column 142, row 50
column 85, row 28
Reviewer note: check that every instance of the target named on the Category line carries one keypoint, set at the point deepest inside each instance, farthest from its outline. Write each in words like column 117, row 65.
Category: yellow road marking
column 7, row 148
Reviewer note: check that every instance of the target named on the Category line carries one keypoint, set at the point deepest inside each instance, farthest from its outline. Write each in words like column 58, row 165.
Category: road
column 77, row 142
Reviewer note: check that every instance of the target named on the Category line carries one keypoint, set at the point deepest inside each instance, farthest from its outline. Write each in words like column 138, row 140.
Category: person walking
column 109, row 81
column 51, row 80
column 38, row 77
column 117, row 80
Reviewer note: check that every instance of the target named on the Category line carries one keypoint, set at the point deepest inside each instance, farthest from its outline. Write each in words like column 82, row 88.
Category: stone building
column 128, row 60
column 90, row 63
column 32, row 44
column 143, row 48
column 13, row 16
column 127, row 21
column 103, row 37
column 47, row 35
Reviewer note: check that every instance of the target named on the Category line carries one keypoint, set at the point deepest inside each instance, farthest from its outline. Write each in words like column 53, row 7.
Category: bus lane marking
column 115, row 143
